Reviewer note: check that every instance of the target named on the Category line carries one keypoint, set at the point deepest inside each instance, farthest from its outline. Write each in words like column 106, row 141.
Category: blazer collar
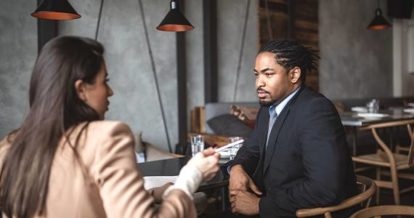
column 274, row 134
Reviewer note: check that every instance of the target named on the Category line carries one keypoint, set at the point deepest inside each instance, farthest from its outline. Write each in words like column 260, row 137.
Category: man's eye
column 269, row 74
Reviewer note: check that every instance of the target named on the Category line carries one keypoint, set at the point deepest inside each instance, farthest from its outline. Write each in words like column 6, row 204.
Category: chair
column 384, row 211
column 367, row 187
column 385, row 158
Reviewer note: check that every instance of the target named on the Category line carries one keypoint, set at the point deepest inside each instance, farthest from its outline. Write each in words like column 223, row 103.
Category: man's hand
column 240, row 181
column 243, row 202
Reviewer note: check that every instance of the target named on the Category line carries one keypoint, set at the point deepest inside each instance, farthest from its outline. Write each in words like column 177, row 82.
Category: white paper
column 229, row 145
column 157, row 181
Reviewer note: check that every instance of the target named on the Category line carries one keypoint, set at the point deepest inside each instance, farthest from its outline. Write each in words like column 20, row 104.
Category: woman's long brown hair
column 54, row 108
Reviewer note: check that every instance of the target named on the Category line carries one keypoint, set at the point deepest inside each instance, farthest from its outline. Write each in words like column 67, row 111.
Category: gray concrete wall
column 18, row 50
column 355, row 62
column 230, row 21
column 195, row 55
column 135, row 100
column 230, row 14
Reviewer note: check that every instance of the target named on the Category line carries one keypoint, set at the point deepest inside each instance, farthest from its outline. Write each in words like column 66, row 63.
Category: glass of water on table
column 197, row 144
column 235, row 148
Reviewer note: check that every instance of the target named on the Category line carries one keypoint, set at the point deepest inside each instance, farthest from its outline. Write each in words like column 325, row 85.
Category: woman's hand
column 207, row 162
column 158, row 192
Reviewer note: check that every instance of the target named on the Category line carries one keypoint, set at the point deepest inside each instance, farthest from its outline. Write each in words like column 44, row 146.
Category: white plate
column 359, row 109
column 372, row 115
column 408, row 110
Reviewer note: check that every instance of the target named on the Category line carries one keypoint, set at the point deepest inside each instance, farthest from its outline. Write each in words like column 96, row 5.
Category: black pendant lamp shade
column 175, row 20
column 379, row 22
column 55, row 10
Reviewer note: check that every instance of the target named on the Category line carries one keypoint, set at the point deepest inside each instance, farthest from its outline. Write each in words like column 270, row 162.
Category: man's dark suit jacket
column 307, row 162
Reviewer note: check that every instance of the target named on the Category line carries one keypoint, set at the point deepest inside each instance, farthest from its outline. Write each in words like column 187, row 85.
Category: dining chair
column 386, row 158
column 384, row 210
column 367, row 187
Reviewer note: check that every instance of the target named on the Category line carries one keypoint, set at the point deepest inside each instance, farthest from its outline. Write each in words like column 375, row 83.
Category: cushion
column 229, row 125
column 246, row 114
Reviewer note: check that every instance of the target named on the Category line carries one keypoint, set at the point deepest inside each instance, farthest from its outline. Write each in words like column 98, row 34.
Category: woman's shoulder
column 8, row 139
column 102, row 126
column 91, row 137
column 96, row 130
column 108, row 125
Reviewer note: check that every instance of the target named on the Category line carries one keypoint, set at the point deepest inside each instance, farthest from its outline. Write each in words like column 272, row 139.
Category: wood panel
column 291, row 19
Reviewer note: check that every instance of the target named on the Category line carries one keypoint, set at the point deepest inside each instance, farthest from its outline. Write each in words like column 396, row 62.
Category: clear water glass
column 235, row 148
column 373, row 106
column 197, row 144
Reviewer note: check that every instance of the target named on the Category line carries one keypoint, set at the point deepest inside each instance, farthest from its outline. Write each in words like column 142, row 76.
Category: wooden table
column 352, row 122
column 172, row 167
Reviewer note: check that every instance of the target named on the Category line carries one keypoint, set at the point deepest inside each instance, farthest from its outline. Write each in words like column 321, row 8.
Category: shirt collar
column 278, row 107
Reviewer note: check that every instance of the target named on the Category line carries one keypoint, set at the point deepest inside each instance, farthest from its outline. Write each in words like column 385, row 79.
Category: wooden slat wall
column 304, row 21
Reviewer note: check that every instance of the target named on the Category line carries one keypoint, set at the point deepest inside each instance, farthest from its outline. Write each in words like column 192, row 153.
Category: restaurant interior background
column 355, row 62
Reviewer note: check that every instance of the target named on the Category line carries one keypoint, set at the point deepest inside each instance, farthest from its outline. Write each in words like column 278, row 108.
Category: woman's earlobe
column 80, row 89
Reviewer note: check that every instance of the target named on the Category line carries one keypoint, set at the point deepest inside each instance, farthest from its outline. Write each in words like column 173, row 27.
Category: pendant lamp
column 55, row 10
column 379, row 22
column 175, row 21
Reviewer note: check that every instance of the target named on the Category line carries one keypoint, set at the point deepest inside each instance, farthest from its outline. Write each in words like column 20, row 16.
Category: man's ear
column 80, row 89
column 294, row 74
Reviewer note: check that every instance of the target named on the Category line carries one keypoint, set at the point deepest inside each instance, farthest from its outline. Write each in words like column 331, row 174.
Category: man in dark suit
column 297, row 156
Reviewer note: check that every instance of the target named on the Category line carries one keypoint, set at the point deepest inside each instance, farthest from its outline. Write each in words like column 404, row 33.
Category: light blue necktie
column 272, row 119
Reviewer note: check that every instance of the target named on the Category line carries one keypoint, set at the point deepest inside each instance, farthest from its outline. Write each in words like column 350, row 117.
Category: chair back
column 384, row 210
column 404, row 123
column 411, row 150
column 367, row 187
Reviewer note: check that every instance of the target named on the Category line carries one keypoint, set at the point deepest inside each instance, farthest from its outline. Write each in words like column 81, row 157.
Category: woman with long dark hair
column 65, row 161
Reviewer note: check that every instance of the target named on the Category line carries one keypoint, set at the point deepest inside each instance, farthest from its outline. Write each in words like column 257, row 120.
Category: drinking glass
column 197, row 144
column 373, row 106
column 235, row 148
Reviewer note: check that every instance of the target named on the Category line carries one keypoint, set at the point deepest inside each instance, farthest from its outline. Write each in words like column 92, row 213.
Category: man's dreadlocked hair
column 290, row 54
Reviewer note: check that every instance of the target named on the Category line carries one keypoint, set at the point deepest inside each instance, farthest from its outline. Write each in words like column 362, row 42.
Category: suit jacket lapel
column 264, row 120
column 263, row 131
column 274, row 134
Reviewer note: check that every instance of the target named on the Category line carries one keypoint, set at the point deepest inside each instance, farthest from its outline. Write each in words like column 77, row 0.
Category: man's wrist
column 234, row 168
column 257, row 206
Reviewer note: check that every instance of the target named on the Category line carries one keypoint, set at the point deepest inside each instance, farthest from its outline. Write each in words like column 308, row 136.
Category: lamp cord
column 246, row 18
column 99, row 20
column 154, row 74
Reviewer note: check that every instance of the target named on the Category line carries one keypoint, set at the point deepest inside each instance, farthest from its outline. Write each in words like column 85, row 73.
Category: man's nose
column 259, row 82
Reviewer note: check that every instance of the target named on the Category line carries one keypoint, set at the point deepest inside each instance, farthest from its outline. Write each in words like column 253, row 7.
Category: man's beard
column 266, row 103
